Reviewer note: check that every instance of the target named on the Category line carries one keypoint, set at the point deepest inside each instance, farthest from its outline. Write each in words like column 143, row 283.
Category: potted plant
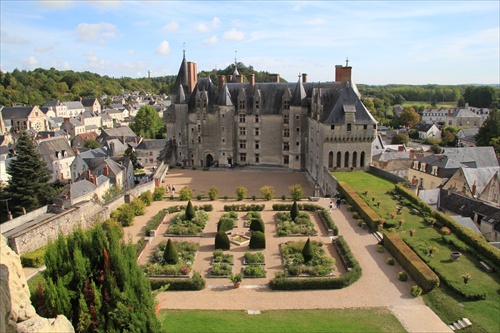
column 236, row 279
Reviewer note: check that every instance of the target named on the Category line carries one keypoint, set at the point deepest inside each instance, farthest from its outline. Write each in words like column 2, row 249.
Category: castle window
column 257, row 104
column 286, row 105
column 285, row 119
column 286, row 146
column 286, row 132
column 257, row 131
column 257, row 118
column 286, row 160
column 349, row 127
column 257, row 144
column 297, row 143
column 365, row 126
column 243, row 144
column 242, row 118
column 243, row 157
column 241, row 105
column 434, row 170
column 332, row 127
column 257, row 158
column 199, row 127
column 298, row 129
column 374, row 126
column 243, row 131
column 422, row 167
column 297, row 117
column 199, row 139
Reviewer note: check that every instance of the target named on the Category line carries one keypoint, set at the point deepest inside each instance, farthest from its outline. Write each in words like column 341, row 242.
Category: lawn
column 333, row 320
column 485, row 314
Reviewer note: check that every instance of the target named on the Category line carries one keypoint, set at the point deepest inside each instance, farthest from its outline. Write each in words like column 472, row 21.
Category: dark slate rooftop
column 480, row 156
column 49, row 147
column 422, row 127
column 152, row 144
column 465, row 206
column 16, row 112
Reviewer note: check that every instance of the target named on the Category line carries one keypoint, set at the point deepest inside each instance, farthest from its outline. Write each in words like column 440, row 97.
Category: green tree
column 296, row 192
column 399, row 139
column 148, row 123
column 93, row 279
column 92, row 144
column 480, row 97
column 489, row 130
column 307, row 251
column 213, row 193
column 190, row 213
column 170, row 255
column 133, row 158
column 267, row 192
column 28, row 186
column 448, row 138
column 294, row 212
column 409, row 117
column 222, row 241
column 241, row 192
column 186, row 193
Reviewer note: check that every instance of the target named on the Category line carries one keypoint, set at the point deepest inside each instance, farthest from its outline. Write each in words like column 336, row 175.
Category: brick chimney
column 474, row 188
column 106, row 171
column 343, row 74
column 89, row 175
column 192, row 75
column 123, row 139
column 304, row 77
column 252, row 80
column 239, row 79
column 274, row 78
column 222, row 81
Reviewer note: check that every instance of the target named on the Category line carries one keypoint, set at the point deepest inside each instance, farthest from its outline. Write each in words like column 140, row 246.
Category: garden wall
column 386, row 175
column 136, row 191
column 18, row 221
column 329, row 184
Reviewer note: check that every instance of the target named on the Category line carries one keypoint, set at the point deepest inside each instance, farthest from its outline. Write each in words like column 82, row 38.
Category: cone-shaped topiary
column 170, row 255
column 294, row 212
column 190, row 213
column 307, row 251
column 222, row 241
column 225, row 224
column 257, row 224
column 258, row 240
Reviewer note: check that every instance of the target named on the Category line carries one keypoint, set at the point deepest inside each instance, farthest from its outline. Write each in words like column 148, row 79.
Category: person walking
column 338, row 203
column 331, row 206
column 173, row 190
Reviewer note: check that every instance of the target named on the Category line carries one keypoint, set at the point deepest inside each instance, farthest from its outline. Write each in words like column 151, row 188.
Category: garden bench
column 486, row 267
column 378, row 236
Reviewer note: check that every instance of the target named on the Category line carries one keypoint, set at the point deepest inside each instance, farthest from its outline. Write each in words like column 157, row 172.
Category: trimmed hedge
column 476, row 241
column 323, row 213
column 140, row 246
column 257, row 240
column 34, row 259
column 155, row 221
column 354, row 271
column 178, row 208
column 244, row 208
column 222, row 241
column 197, row 282
column 359, row 205
column 411, row 262
column 256, row 224
column 327, row 220
column 225, row 224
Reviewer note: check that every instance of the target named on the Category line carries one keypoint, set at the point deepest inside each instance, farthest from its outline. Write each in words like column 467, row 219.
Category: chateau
column 302, row 126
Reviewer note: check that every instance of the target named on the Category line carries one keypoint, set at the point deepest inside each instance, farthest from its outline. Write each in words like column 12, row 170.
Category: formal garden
column 465, row 289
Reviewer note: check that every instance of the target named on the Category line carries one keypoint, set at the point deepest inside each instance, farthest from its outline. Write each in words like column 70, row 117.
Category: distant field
column 335, row 320
column 444, row 105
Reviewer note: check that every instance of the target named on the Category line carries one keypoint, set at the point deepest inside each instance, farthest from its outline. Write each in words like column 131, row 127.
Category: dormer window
column 422, row 167
column 349, row 125
column 257, row 104
column 434, row 170
column 415, row 165
column 241, row 104
column 286, row 105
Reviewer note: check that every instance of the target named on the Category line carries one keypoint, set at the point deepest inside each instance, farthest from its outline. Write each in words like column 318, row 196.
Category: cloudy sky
column 413, row 42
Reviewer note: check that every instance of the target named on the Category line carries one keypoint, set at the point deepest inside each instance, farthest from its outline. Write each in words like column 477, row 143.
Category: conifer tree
column 28, row 186
column 294, row 212
column 170, row 255
column 190, row 213
column 307, row 251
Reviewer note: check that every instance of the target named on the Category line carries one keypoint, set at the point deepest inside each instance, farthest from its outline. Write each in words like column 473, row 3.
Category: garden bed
column 294, row 264
column 254, row 258
column 181, row 226
column 219, row 270
column 254, row 271
column 302, row 226
column 221, row 257
column 186, row 255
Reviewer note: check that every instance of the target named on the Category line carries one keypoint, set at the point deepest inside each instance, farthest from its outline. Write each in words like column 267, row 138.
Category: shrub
column 138, row 206
column 390, row 261
column 170, row 255
column 222, row 241
column 365, row 211
column 199, row 197
column 225, row 224
column 124, row 214
column 294, row 212
column 186, row 193
column 445, row 231
column 307, row 251
column 159, row 193
column 197, row 282
column 213, row 193
column 267, row 192
column 360, row 222
column 355, row 215
column 241, row 192
column 380, row 248
column 155, row 221
column 254, row 197
column 34, row 259
column 207, row 207
column 255, row 271
column 296, row 192
column 190, row 213
column 403, row 276
column 283, row 197
column 416, row 291
column 256, row 224
column 146, row 197
column 257, row 240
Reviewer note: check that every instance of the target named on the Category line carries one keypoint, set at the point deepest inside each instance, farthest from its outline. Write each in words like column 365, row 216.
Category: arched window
column 346, row 160
column 339, row 159
column 354, row 158
column 330, row 160
column 362, row 160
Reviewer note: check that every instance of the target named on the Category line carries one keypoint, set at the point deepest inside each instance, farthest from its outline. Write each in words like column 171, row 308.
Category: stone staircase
column 463, row 323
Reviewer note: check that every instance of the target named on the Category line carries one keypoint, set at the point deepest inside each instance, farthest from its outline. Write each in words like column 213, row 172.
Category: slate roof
column 74, row 105
column 422, row 127
column 466, row 222
column 441, row 161
column 88, row 101
column 89, row 154
column 118, row 146
column 466, row 132
column 481, row 176
column 480, row 157
column 77, row 189
column 153, row 144
column 118, row 132
column 465, row 206
column 347, row 101
column 16, row 112
column 49, row 147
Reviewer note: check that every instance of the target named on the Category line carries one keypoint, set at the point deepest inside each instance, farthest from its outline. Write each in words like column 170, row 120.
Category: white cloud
column 233, row 34
column 172, row 26
column 215, row 22
column 316, row 21
column 88, row 32
column 163, row 48
column 131, row 52
column 30, row 62
column 210, row 41
column 203, row 27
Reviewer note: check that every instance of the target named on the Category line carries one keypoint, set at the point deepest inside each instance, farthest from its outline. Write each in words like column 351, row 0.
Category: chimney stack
column 106, row 171
column 474, row 188
column 192, row 75
column 304, row 77
column 343, row 74
column 274, row 78
column 123, row 139
column 239, row 79
column 222, row 81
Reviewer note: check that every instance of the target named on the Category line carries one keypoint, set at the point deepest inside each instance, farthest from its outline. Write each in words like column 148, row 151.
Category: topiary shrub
column 360, row 222
column 225, row 224
column 222, row 241
column 241, row 192
column 257, row 224
column 257, row 240
column 146, row 197
column 416, row 291
column 294, row 212
column 355, row 215
column 190, row 213
column 213, row 193
column 380, row 248
column 283, row 197
column 307, row 251
column 390, row 261
column 170, row 255
column 159, row 193
column 403, row 276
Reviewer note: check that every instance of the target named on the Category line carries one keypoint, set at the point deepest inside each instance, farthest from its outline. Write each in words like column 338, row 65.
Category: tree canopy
column 28, row 186
column 480, row 97
column 409, row 117
column 147, row 123
column 489, row 133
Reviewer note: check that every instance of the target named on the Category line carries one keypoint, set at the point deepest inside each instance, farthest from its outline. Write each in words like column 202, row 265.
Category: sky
column 386, row 42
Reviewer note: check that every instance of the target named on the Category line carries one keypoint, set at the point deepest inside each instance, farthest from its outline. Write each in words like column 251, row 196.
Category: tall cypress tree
column 489, row 130
column 28, row 186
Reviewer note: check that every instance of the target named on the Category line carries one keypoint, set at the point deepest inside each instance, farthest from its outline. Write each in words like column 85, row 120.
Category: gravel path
column 378, row 287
